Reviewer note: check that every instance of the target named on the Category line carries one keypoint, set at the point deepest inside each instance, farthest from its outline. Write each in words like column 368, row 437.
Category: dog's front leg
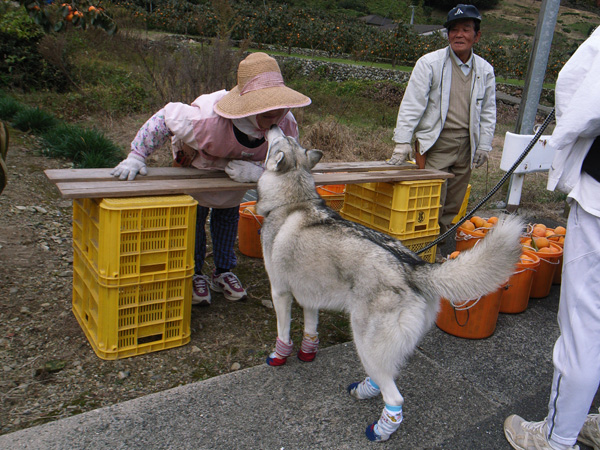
column 310, row 340
column 282, row 302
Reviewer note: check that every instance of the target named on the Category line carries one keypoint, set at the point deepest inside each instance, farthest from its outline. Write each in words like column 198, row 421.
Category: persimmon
column 477, row 221
column 541, row 242
column 539, row 230
column 468, row 225
column 560, row 231
column 493, row 220
column 454, row 254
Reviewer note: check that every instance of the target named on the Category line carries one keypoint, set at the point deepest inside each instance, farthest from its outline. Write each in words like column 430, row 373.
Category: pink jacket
column 211, row 135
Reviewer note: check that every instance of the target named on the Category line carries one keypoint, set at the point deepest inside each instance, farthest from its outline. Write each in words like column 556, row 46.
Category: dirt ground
column 48, row 369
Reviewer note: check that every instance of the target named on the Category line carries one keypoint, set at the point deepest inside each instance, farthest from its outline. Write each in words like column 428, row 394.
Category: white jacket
column 577, row 103
column 424, row 108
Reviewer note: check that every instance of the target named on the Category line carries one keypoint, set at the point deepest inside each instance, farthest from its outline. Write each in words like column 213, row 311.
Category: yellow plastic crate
column 463, row 208
column 129, row 237
column 124, row 318
column 406, row 209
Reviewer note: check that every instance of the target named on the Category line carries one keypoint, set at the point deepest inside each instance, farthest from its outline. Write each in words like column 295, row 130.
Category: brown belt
column 419, row 158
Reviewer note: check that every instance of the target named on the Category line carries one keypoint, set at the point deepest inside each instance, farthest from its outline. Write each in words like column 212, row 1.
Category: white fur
column 324, row 262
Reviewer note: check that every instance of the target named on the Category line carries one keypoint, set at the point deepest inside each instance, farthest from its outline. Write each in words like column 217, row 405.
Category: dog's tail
column 480, row 270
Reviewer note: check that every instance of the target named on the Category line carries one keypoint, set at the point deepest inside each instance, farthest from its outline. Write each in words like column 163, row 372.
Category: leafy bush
column 23, row 66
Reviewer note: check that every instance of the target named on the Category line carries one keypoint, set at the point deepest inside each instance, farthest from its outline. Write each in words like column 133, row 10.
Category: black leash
column 495, row 188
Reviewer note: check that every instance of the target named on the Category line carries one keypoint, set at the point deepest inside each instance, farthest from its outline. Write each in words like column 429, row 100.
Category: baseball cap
column 462, row 11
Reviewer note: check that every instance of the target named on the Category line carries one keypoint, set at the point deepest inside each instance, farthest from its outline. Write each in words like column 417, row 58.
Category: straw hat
column 260, row 89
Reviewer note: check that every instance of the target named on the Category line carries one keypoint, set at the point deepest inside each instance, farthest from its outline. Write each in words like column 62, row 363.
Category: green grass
column 35, row 120
column 87, row 148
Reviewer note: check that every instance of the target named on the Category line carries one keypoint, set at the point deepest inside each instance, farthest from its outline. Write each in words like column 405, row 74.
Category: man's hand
column 244, row 171
column 400, row 154
column 130, row 167
column 481, row 156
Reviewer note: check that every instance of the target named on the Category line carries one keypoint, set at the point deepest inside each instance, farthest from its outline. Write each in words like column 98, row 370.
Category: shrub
column 9, row 107
column 87, row 148
column 35, row 120
column 22, row 66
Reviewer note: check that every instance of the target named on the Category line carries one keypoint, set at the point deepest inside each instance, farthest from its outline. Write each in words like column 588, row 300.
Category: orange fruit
column 488, row 225
column 493, row 220
column 548, row 250
column 454, row 254
column 541, row 242
column 561, row 240
column 539, row 230
column 468, row 225
column 560, row 230
column 477, row 221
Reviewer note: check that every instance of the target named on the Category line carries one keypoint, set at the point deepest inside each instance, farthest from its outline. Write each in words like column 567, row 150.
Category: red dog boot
column 281, row 353
column 308, row 349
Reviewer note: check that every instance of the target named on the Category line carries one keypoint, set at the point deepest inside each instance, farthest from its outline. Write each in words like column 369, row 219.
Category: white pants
column 577, row 351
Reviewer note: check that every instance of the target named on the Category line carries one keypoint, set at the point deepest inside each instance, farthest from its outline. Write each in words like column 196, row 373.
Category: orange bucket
column 558, row 272
column 515, row 295
column 542, row 278
column 557, row 278
column 249, row 230
column 333, row 194
column 465, row 239
column 473, row 319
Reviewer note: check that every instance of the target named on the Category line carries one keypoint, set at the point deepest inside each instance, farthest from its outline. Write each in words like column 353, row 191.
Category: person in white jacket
column 575, row 171
column 449, row 107
column 220, row 131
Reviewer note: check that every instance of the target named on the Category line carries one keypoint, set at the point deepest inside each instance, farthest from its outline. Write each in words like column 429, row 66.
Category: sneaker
column 200, row 291
column 590, row 432
column 229, row 285
column 523, row 435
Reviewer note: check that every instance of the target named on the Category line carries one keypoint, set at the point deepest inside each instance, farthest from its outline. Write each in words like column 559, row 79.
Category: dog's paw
column 306, row 357
column 274, row 360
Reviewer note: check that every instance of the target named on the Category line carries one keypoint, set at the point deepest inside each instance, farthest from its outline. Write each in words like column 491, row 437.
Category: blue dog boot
column 388, row 423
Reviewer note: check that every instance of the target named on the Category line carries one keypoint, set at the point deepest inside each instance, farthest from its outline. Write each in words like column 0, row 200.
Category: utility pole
column 534, row 81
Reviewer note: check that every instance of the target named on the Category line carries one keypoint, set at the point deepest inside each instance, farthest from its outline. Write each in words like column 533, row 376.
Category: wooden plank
column 145, row 187
column 165, row 173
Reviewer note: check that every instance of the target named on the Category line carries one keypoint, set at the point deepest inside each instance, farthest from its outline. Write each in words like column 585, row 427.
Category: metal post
column 534, row 81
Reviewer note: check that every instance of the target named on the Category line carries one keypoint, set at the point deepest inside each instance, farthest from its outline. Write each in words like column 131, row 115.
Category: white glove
column 400, row 154
column 129, row 168
column 481, row 156
column 244, row 171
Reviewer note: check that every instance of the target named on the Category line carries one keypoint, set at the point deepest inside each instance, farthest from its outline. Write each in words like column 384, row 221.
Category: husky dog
column 313, row 255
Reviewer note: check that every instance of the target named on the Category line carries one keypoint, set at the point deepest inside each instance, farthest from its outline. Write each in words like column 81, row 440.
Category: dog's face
column 286, row 154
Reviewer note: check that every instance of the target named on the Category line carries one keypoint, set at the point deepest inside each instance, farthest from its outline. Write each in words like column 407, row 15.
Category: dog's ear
column 275, row 162
column 314, row 156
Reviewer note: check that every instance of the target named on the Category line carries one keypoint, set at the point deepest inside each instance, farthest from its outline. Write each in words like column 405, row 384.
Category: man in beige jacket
column 450, row 108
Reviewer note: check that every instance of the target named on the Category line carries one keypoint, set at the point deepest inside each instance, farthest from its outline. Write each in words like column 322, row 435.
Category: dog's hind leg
column 310, row 340
column 282, row 302
column 379, row 353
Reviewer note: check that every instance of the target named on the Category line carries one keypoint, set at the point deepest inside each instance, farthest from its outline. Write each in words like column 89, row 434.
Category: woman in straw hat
column 220, row 131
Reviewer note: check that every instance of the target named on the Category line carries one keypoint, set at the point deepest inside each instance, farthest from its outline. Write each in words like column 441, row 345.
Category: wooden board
column 98, row 183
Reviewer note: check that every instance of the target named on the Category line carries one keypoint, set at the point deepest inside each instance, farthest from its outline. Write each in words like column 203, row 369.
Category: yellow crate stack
column 406, row 210
column 133, row 262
